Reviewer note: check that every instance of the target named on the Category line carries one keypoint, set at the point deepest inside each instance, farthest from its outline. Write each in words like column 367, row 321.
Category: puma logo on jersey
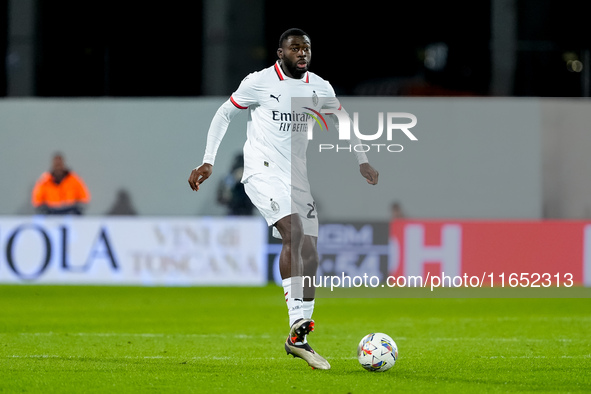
column 275, row 97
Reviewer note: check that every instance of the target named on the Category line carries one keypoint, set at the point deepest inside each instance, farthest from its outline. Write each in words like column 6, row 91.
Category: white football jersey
column 277, row 126
column 280, row 110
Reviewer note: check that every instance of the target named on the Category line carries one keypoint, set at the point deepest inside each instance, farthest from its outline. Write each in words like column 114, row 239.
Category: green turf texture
column 182, row 340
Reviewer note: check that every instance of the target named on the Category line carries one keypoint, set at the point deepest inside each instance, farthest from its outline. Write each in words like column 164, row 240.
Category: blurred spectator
column 60, row 191
column 231, row 191
column 396, row 211
column 122, row 204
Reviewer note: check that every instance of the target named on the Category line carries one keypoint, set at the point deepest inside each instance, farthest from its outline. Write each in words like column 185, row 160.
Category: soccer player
column 275, row 176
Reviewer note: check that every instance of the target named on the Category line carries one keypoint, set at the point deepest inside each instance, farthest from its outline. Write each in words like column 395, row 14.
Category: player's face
column 295, row 55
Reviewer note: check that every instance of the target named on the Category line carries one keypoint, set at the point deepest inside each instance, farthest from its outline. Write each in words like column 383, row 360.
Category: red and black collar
column 283, row 77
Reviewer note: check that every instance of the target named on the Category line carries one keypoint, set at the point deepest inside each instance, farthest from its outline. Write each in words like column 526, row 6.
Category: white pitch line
column 266, row 336
column 510, row 339
column 535, row 357
column 216, row 358
column 237, row 359
column 147, row 335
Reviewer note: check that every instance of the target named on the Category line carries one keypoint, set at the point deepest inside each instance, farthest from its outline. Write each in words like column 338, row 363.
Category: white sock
column 308, row 309
column 295, row 306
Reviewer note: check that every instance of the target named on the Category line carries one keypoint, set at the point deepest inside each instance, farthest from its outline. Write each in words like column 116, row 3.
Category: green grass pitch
column 181, row 340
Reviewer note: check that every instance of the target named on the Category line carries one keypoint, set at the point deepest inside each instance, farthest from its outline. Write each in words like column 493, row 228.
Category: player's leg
column 291, row 266
column 310, row 262
column 273, row 199
column 292, row 239
column 296, row 344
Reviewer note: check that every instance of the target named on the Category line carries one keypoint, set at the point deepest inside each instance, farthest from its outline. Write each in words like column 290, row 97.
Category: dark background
column 130, row 48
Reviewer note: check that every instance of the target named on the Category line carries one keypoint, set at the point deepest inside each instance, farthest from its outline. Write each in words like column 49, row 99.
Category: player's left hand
column 369, row 173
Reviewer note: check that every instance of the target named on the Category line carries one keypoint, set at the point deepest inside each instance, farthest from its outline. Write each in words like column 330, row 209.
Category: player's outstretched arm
column 199, row 175
column 217, row 130
column 369, row 173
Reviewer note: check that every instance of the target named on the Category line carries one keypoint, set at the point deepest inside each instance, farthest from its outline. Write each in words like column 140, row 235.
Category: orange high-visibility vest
column 70, row 191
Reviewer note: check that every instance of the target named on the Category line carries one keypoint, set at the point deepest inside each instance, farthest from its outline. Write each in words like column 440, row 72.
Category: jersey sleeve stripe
column 236, row 104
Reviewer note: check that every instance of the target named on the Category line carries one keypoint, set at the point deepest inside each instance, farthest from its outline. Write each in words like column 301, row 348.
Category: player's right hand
column 199, row 175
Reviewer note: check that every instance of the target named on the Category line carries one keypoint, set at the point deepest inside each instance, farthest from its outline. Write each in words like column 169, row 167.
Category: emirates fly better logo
column 366, row 142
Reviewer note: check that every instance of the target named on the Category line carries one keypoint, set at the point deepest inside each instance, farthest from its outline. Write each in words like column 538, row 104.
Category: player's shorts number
column 311, row 214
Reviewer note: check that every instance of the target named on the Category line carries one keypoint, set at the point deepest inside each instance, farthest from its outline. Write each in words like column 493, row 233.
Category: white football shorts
column 275, row 200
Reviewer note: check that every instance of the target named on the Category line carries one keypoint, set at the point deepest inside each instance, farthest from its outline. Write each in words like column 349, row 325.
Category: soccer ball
column 377, row 352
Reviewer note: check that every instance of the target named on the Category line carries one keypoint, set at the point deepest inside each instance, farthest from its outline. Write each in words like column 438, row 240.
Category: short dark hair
column 291, row 32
